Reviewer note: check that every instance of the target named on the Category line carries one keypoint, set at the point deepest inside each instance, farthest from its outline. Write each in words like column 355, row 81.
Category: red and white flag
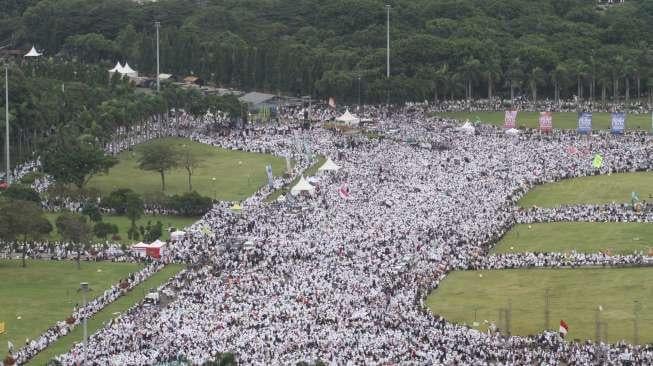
column 564, row 328
column 343, row 191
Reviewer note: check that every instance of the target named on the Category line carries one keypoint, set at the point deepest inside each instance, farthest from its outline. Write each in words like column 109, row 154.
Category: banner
column 510, row 121
column 546, row 122
column 597, row 162
column 268, row 170
column 618, row 122
column 585, row 122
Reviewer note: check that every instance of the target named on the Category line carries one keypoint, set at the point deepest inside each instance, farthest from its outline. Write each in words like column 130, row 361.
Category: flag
column 332, row 102
column 510, row 120
column 10, row 346
column 546, row 122
column 343, row 191
column 571, row 150
column 597, row 162
column 618, row 122
column 564, row 328
column 584, row 122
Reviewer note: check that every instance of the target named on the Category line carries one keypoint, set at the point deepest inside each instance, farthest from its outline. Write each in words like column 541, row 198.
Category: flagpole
column 8, row 173
column 387, row 72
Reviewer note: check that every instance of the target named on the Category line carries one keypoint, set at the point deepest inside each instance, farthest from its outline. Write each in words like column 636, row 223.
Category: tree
column 22, row 220
column 536, row 78
column 133, row 208
column 22, row 193
column 75, row 160
column 158, row 157
column 190, row 160
column 92, row 211
column 104, row 229
column 75, row 229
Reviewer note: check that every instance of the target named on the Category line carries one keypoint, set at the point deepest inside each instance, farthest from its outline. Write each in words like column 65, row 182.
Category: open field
column 561, row 120
column 46, row 291
column 586, row 237
column 113, row 310
column 237, row 174
column 575, row 295
column 124, row 224
column 597, row 189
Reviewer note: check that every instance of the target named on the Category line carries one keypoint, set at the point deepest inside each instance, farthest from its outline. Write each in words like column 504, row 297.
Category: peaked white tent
column 117, row 68
column 128, row 71
column 512, row 132
column 33, row 53
column 329, row 166
column 348, row 118
column 467, row 127
column 302, row 186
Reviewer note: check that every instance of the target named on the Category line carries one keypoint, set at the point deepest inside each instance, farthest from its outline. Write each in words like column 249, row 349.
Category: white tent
column 128, row 71
column 302, row 186
column 348, row 118
column 177, row 235
column 117, row 68
column 33, row 53
column 329, row 166
column 467, row 127
column 512, row 132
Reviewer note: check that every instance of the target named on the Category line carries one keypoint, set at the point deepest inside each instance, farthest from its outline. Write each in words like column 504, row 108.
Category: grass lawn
column 310, row 171
column 597, row 189
column 562, row 120
column 587, row 237
column 237, row 174
column 46, row 292
column 111, row 311
column 124, row 224
column 575, row 294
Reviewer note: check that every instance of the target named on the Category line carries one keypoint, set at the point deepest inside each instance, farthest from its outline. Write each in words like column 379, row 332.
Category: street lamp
column 83, row 287
column 214, row 191
column 359, row 92
column 8, row 173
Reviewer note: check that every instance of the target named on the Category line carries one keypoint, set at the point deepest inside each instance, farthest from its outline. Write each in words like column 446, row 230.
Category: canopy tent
column 118, row 68
column 467, row 127
column 329, row 166
column 33, row 53
column 236, row 207
column 302, row 186
column 512, row 132
column 128, row 71
column 348, row 118
column 177, row 235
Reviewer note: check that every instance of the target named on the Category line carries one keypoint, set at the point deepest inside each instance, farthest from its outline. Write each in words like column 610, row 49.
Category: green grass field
column 575, row 294
column 561, row 120
column 46, row 291
column 124, row 224
column 111, row 311
column 598, row 189
column 586, row 237
column 237, row 174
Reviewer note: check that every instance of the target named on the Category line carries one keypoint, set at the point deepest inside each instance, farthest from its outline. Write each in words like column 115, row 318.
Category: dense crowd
column 344, row 279
column 81, row 311
column 587, row 213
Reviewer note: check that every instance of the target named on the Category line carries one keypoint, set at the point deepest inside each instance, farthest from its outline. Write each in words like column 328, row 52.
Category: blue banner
column 585, row 122
column 618, row 122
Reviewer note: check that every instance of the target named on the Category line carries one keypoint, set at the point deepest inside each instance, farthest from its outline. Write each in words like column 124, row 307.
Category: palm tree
column 581, row 70
column 617, row 70
column 514, row 75
column 491, row 72
column 560, row 78
column 470, row 71
column 536, row 78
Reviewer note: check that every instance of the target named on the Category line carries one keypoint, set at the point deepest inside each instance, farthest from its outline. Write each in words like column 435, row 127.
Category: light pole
column 157, row 25
column 215, row 194
column 387, row 73
column 359, row 92
column 8, row 172
column 84, row 288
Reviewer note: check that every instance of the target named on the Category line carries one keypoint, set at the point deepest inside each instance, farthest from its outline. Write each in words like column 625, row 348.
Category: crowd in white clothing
column 343, row 279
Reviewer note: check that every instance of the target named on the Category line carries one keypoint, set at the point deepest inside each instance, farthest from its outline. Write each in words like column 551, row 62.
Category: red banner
column 546, row 122
column 510, row 120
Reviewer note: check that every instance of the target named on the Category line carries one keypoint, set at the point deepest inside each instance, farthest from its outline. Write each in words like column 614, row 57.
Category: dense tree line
column 440, row 48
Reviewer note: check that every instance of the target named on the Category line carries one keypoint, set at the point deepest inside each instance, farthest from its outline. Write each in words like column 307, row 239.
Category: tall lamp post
column 387, row 72
column 84, row 288
column 8, row 166
column 157, row 25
